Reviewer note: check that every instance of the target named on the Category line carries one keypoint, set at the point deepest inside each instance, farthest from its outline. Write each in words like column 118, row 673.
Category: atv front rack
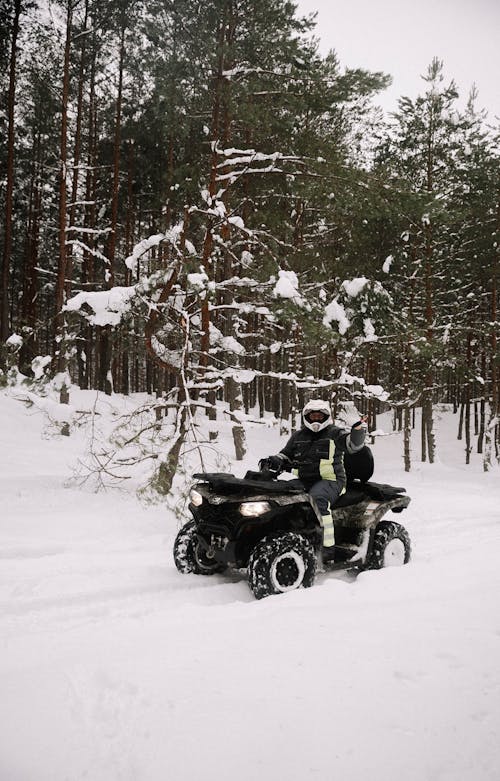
column 222, row 482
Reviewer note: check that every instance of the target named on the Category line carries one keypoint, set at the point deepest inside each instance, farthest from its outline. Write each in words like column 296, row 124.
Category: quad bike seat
column 359, row 468
column 351, row 496
column 358, row 492
column 382, row 492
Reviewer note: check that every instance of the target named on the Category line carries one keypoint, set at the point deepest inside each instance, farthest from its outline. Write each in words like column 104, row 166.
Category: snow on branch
column 233, row 151
column 141, row 248
column 242, row 282
column 235, row 175
column 91, row 231
column 336, row 312
column 225, row 343
column 240, row 71
column 371, row 391
column 353, row 287
column 94, row 252
column 287, row 286
column 173, row 236
column 251, row 156
column 107, row 306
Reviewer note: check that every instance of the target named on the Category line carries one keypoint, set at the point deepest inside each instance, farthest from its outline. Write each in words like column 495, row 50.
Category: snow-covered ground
column 116, row 667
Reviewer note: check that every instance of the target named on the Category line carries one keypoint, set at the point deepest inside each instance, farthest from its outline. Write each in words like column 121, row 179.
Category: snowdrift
column 114, row 666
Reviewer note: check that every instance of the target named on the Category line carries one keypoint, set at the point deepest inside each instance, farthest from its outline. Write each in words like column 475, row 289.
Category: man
column 318, row 449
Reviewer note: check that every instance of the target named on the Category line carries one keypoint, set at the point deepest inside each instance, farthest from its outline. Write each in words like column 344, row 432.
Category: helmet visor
column 316, row 416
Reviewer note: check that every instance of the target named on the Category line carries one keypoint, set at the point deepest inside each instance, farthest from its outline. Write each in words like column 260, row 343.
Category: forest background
column 199, row 206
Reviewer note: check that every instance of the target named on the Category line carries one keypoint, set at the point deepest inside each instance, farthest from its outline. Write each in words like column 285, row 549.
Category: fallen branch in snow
column 134, row 461
column 97, row 470
column 59, row 415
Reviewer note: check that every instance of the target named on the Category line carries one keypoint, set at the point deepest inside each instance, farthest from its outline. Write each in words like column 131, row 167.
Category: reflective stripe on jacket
column 320, row 455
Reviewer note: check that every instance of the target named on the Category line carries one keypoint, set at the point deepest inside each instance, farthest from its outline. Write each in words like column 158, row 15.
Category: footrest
column 345, row 552
column 347, row 566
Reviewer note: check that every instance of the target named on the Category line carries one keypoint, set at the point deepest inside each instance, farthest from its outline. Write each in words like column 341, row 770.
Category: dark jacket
column 321, row 455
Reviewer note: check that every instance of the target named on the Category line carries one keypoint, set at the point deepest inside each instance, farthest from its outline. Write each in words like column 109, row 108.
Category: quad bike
column 272, row 527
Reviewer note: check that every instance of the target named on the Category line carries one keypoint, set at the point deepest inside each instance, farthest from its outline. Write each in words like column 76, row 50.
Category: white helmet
column 317, row 423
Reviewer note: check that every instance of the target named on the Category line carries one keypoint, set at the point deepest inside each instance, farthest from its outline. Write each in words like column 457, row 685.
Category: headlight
column 253, row 509
column 195, row 497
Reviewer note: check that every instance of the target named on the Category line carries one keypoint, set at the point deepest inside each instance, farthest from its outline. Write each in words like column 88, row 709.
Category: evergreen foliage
column 243, row 228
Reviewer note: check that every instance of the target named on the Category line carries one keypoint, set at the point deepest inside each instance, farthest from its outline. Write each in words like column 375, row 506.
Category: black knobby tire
column 391, row 546
column 281, row 564
column 190, row 556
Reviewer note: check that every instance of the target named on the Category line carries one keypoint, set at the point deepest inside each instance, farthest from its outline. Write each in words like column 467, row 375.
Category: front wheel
column 190, row 555
column 391, row 546
column 281, row 564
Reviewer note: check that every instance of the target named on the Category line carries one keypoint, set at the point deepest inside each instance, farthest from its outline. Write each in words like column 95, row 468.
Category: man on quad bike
column 318, row 448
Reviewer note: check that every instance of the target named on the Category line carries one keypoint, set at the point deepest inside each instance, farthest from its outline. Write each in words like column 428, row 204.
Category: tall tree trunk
column 493, row 427
column 111, row 249
column 208, row 242
column 423, row 432
column 427, row 405
column 60, row 340
column 461, row 417
column 407, row 438
column 234, row 392
column 106, row 341
column 428, row 442
column 30, row 289
column 7, row 249
column 86, row 366
column 76, row 152
column 129, row 234
column 235, row 399
column 482, row 405
column 285, row 395
column 467, row 401
column 406, row 421
column 468, row 447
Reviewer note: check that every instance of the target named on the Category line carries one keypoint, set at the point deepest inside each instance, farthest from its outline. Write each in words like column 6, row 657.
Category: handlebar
column 286, row 466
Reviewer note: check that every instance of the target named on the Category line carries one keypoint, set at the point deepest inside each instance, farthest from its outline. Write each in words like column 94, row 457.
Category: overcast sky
column 400, row 37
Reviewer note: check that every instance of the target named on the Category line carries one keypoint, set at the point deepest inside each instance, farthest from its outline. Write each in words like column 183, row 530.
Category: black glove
column 271, row 462
column 358, row 435
column 360, row 423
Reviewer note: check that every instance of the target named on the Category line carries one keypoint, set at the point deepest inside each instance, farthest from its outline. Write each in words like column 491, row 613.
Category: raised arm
column 356, row 438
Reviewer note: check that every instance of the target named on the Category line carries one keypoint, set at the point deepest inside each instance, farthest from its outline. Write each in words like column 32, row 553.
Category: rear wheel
column 191, row 556
column 281, row 564
column 391, row 546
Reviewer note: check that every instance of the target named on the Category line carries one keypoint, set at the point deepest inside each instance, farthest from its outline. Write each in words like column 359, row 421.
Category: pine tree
column 426, row 138
column 7, row 246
